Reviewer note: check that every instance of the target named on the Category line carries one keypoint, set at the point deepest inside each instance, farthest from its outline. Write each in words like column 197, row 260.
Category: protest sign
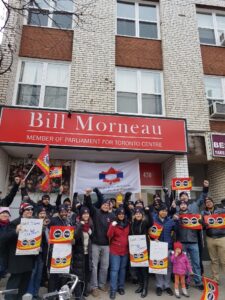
column 138, row 251
column 158, row 258
column 61, row 258
column 61, row 234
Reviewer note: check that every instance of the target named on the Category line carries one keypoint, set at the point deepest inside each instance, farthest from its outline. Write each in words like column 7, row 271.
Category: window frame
column 51, row 11
column 137, row 19
column 139, row 98
column 42, row 89
column 215, row 29
column 223, row 88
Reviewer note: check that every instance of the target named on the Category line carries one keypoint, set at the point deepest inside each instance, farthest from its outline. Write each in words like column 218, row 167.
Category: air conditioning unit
column 217, row 110
column 222, row 39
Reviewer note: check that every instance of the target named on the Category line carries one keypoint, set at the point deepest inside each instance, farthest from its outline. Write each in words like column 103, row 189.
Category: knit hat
column 24, row 206
column 105, row 201
column 139, row 201
column 183, row 193
column 177, row 245
column 84, row 210
column 138, row 210
column 45, row 196
column 62, row 207
column 120, row 210
column 40, row 209
column 162, row 207
column 4, row 209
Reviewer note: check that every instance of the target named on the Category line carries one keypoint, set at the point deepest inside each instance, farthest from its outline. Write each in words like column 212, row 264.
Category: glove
column 127, row 196
column 82, row 222
column 114, row 223
column 89, row 231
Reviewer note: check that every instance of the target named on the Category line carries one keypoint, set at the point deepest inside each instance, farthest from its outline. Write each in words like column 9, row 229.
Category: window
column 51, row 13
column 211, row 27
column 214, row 89
column 137, row 19
column 139, row 92
column 42, row 84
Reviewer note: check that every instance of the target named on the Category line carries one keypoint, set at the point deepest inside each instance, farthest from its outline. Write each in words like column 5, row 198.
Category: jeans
column 192, row 251
column 36, row 275
column 118, row 266
column 100, row 254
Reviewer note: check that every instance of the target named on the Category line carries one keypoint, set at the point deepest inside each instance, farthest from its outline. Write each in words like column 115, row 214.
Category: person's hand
column 22, row 183
column 206, row 183
column 78, row 205
column 19, row 228
column 82, row 222
column 46, row 222
column 61, row 188
column 17, row 180
column 146, row 208
column 114, row 223
column 89, row 231
column 177, row 252
column 175, row 217
column 174, row 204
column 88, row 192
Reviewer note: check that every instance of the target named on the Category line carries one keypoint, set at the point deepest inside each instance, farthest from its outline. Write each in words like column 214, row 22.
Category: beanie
column 139, row 201
column 4, row 209
column 62, row 207
column 120, row 210
column 177, row 245
column 208, row 198
column 162, row 207
column 138, row 210
column 40, row 209
column 84, row 210
column 46, row 196
column 105, row 201
column 24, row 206
column 183, row 193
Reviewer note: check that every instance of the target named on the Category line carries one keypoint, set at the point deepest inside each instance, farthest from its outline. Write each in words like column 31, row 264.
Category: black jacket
column 214, row 233
column 9, row 198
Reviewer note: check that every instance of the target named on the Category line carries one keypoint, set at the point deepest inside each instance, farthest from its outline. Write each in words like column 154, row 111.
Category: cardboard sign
column 61, row 258
column 155, row 231
column 29, row 239
column 215, row 221
column 191, row 221
column 158, row 260
column 179, row 184
column 61, row 234
column 138, row 251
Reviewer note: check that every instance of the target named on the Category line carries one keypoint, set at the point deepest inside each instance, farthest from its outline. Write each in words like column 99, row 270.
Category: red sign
column 216, row 221
column 191, row 221
column 41, row 127
column 61, row 234
column 179, row 184
column 151, row 174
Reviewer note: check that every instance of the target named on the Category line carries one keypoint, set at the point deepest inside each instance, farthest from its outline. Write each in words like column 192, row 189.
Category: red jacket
column 118, row 239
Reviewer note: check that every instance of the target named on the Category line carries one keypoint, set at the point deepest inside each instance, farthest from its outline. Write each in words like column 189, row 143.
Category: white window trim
column 139, row 92
column 215, row 28
column 137, row 20
column 50, row 16
column 223, row 87
column 41, row 101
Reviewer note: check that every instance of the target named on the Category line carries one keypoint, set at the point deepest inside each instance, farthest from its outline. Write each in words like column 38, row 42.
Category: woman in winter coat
column 4, row 227
column 140, row 225
column 118, row 248
column 81, row 252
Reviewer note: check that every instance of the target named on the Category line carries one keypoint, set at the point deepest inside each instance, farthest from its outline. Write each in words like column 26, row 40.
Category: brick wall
column 213, row 60
column 138, row 53
column 216, row 175
column 48, row 43
column 217, row 126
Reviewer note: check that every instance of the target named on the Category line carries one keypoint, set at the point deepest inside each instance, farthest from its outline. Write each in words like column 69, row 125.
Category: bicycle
column 66, row 291
column 8, row 292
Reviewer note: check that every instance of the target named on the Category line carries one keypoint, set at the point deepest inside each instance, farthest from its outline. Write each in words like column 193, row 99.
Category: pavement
column 195, row 294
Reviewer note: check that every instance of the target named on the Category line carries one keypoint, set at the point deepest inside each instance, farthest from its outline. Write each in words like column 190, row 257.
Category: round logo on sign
column 185, row 221
column 66, row 234
column 32, row 242
column 194, row 221
column 25, row 242
column 64, row 260
column 219, row 220
column 154, row 229
column 58, row 260
column 211, row 221
column 57, row 234
column 178, row 183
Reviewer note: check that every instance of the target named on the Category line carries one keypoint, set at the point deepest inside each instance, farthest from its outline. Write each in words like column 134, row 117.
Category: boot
column 145, row 288
column 139, row 289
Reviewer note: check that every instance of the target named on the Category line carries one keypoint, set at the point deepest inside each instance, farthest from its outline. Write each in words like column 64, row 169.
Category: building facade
column 151, row 61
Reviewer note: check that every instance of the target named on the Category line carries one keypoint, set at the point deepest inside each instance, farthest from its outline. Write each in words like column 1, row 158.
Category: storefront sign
column 218, row 145
column 41, row 127
column 151, row 174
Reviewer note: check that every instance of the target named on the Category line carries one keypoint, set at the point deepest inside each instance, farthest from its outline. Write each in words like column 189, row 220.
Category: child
column 181, row 267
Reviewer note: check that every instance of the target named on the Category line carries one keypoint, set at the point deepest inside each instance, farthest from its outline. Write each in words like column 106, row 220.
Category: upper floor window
column 139, row 91
column 42, row 84
column 137, row 19
column 58, row 14
column 214, row 89
column 211, row 27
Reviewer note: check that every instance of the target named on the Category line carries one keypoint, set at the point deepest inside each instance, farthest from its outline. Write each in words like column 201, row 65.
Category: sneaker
column 169, row 291
column 184, row 292
column 177, row 293
column 27, row 296
column 158, row 291
column 95, row 293
column 104, row 288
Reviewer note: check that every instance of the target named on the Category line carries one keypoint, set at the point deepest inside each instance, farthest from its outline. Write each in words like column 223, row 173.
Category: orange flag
column 211, row 290
column 43, row 161
column 45, row 183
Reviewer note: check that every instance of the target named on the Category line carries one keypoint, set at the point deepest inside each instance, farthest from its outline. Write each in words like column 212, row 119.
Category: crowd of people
column 100, row 249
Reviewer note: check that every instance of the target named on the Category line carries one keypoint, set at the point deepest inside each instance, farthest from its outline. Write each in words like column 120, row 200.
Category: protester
column 7, row 201
column 118, row 244
column 4, row 227
column 100, row 243
column 215, row 239
column 181, row 267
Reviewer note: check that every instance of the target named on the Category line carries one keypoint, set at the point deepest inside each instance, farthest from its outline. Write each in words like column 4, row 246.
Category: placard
column 61, row 258
column 215, row 221
column 61, row 234
column 191, row 221
column 158, row 260
column 138, row 251
column 179, row 184
column 29, row 239
column 155, row 231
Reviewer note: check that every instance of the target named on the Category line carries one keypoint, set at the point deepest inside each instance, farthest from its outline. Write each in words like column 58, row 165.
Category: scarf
column 85, row 227
column 4, row 223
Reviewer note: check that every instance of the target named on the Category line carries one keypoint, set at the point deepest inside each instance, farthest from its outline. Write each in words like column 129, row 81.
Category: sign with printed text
column 218, row 145
column 179, row 184
column 61, row 259
column 88, row 130
column 215, row 221
column 138, row 251
column 61, row 234
column 158, row 258
column 191, row 221
column 29, row 238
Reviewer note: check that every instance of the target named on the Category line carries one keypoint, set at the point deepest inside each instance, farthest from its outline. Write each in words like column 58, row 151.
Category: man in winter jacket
column 100, row 243
column 215, row 237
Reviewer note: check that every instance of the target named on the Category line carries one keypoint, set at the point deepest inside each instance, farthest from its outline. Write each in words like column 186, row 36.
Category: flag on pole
column 211, row 290
column 55, row 172
column 45, row 183
column 43, row 161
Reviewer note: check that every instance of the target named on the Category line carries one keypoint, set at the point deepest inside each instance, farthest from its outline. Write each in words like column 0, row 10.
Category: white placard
column 61, row 258
column 138, row 251
column 158, row 258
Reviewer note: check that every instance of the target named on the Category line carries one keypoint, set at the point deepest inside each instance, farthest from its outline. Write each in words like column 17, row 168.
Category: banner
column 191, row 221
column 215, row 221
column 61, row 234
column 29, row 239
column 138, row 251
column 61, row 258
column 211, row 291
column 158, row 260
column 179, row 184
column 107, row 177
column 155, row 231
column 43, row 161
